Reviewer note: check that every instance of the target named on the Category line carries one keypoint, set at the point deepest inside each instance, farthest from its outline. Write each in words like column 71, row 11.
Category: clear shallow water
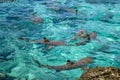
column 58, row 25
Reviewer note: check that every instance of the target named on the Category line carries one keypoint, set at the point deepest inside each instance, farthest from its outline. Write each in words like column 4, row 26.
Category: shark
column 51, row 43
column 71, row 65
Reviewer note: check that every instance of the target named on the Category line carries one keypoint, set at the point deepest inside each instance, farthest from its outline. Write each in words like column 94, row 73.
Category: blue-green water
column 102, row 17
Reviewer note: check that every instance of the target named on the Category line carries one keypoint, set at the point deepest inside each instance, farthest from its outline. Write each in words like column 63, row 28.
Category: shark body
column 76, row 64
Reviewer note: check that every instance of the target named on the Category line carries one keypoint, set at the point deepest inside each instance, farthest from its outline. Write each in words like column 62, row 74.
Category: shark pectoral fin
column 97, row 40
column 37, row 62
column 49, row 47
column 84, row 68
column 57, row 70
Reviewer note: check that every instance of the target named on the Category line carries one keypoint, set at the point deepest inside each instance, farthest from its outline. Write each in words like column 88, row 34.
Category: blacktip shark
column 74, row 65
column 51, row 43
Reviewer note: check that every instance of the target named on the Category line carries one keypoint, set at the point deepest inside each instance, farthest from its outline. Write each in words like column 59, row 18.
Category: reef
column 101, row 73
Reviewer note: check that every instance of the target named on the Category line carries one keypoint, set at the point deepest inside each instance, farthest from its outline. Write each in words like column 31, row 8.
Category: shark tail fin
column 24, row 38
column 36, row 61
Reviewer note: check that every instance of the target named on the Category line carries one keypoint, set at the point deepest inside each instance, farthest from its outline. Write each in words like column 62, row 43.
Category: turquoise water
column 16, row 55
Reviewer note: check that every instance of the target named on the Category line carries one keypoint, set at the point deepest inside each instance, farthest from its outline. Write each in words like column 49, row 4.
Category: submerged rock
column 101, row 73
